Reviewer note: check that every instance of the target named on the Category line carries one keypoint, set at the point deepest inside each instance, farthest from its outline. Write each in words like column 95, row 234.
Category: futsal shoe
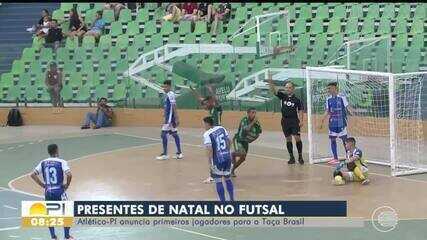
column 209, row 180
column 70, row 238
column 162, row 157
column 300, row 160
column 178, row 156
column 338, row 181
column 333, row 161
column 291, row 160
column 365, row 182
column 85, row 127
column 233, row 174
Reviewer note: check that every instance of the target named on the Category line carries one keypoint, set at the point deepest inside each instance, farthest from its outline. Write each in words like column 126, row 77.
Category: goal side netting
column 386, row 117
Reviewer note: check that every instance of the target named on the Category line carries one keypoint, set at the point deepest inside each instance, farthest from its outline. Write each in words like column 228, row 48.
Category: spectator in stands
column 97, row 26
column 189, row 11
column 117, row 7
column 37, row 27
column 222, row 13
column 44, row 29
column 77, row 26
column 54, row 35
column 174, row 13
column 54, row 84
column 205, row 11
column 102, row 117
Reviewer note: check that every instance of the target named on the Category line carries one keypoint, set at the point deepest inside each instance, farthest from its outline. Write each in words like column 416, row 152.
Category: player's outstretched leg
column 230, row 188
column 164, row 136
column 238, row 159
column 298, row 142
column 67, row 234
column 220, row 189
column 290, row 148
column 179, row 154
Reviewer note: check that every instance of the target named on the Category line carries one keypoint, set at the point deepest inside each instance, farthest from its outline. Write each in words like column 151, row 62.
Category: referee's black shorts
column 290, row 126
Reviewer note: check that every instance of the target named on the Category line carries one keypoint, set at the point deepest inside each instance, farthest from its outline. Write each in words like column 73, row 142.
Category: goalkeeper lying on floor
column 356, row 166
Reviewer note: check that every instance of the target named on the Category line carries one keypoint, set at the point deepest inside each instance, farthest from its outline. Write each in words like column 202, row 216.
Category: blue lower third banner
column 210, row 209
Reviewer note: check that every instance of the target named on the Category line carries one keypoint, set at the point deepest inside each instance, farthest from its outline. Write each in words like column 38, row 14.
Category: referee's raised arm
column 273, row 88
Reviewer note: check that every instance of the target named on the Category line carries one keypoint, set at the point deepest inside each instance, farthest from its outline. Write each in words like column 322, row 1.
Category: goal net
column 386, row 117
column 368, row 54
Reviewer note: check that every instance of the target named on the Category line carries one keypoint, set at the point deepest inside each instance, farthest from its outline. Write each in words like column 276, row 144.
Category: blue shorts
column 55, row 195
column 223, row 169
column 337, row 131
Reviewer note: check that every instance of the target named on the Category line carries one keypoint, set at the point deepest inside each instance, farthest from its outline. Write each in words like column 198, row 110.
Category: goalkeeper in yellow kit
column 357, row 170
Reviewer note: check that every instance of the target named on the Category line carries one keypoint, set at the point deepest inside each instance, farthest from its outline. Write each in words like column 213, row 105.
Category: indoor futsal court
column 118, row 163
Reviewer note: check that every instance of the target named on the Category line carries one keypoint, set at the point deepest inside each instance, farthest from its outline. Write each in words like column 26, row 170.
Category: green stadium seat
column 83, row 7
column 46, row 55
column 166, row 28
column 401, row 26
column 174, row 38
column 83, row 94
column 337, row 41
column 339, row 11
column 69, row 66
column 116, row 29
column 97, row 54
column 6, row 80
column 206, row 38
column 200, row 27
column 111, row 79
column 76, row 79
column 388, row 11
column 13, row 94
column 101, row 91
column 258, row 10
column 316, row 26
column 132, row 29
column 334, row 25
column 28, row 54
column 241, row 14
column 384, row 26
column 368, row 25
column 403, row 12
column 351, row 25
column 300, row 26
column 58, row 15
column 190, row 38
column 156, row 40
column 87, row 65
column 142, row 16
column 88, row 42
column 31, row 93
column 79, row 54
column 207, row 65
column 122, row 41
column 417, row 26
column 105, row 42
column 71, row 43
column 119, row 93
column 373, row 11
column 150, row 28
column 104, row 66
column 67, row 6
column 62, row 55
column 125, row 15
column 305, row 12
column 17, row 67
column 67, row 93
column 90, row 16
column 108, row 16
column 132, row 53
column 420, row 12
column 184, row 27
column 322, row 12
column 418, row 41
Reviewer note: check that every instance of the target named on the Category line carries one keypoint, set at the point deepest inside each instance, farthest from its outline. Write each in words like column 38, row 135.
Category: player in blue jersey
column 170, row 123
column 217, row 143
column 52, row 171
column 336, row 108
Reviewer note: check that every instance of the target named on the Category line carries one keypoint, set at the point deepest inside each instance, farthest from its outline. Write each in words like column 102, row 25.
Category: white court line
column 281, row 159
column 11, row 236
column 1, row 150
column 9, row 228
column 10, row 148
column 10, row 207
column 197, row 233
column 12, row 188
column 36, row 238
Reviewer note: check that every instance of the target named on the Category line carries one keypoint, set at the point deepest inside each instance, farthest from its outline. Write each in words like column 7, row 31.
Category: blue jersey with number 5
column 52, row 170
column 218, row 139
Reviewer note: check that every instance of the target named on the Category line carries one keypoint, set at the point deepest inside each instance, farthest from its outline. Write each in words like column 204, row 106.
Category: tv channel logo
column 47, row 213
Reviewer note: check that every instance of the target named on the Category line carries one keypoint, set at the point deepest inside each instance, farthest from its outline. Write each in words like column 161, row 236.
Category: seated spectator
column 97, row 26
column 222, row 13
column 53, row 83
column 189, row 11
column 54, row 36
column 44, row 29
column 205, row 12
column 37, row 27
column 102, row 117
column 174, row 13
column 117, row 7
column 77, row 26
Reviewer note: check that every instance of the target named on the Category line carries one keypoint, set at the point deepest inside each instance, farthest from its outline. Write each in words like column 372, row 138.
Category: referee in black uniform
column 292, row 117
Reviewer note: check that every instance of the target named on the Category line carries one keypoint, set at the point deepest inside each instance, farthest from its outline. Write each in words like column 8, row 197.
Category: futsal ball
column 338, row 180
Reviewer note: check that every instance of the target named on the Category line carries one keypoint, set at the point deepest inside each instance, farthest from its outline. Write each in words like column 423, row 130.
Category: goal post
column 386, row 119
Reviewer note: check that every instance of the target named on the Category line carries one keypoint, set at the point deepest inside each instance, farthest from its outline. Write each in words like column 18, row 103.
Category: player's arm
column 212, row 93
column 300, row 113
column 35, row 177
column 355, row 157
column 347, row 106
column 273, row 88
column 209, row 153
column 247, row 127
column 175, row 112
column 324, row 117
column 69, row 177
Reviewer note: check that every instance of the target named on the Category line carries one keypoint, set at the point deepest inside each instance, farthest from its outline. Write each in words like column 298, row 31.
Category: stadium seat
column 166, row 28
column 31, row 94
column 101, row 91
column 373, row 11
column 142, row 16
column 401, row 26
column 200, row 27
column 305, row 12
column 6, row 80
column 368, row 25
column 83, row 94
column 125, row 15
column 58, row 15
column 17, row 67
column 122, row 41
column 116, row 29
column 339, row 11
column 322, row 12
column 384, row 26
column 403, row 12
column 351, row 25
column 88, row 42
column 316, row 26
column 119, row 93
column 184, row 27
column 417, row 26
column 420, row 12
column 83, row 7
column 13, row 94
column 90, row 16
column 150, row 28
column 334, row 25
column 108, row 16
column 132, row 29
column 71, row 43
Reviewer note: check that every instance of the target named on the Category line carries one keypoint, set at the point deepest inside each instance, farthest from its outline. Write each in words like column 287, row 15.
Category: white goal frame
column 392, row 116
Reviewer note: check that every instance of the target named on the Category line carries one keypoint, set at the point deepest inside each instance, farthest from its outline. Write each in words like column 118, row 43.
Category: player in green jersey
column 211, row 104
